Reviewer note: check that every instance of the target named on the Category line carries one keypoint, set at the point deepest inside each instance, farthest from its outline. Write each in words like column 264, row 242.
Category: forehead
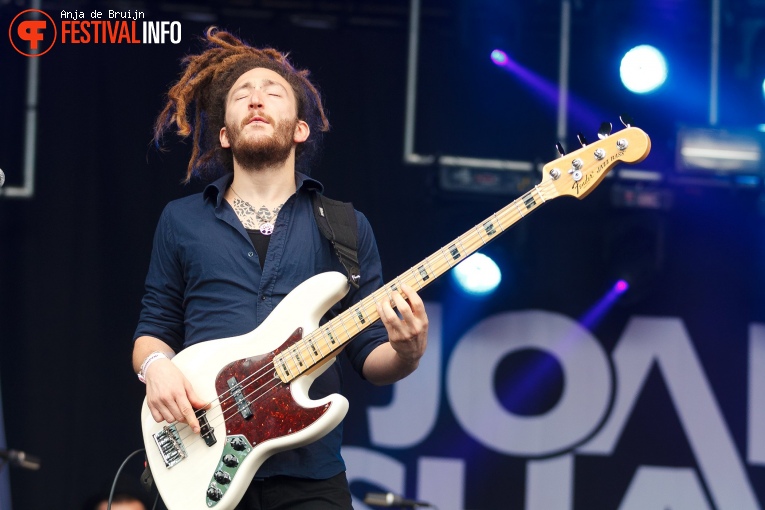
column 260, row 77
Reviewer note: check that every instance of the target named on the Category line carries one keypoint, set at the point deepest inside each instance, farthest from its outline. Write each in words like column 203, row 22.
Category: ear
column 301, row 132
column 223, row 137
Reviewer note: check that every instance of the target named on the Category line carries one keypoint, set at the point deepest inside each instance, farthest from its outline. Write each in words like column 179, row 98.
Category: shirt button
column 250, row 254
column 262, row 298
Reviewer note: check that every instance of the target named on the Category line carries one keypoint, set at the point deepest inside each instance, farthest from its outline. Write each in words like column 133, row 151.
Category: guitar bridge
column 170, row 445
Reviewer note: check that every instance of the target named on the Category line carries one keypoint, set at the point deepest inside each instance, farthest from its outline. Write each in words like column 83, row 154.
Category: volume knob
column 238, row 444
column 222, row 477
column 214, row 493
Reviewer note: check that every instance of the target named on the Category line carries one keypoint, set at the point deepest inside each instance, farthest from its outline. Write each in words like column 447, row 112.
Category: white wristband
column 151, row 358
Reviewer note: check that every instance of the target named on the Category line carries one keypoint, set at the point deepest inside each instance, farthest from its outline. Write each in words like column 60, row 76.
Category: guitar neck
column 326, row 341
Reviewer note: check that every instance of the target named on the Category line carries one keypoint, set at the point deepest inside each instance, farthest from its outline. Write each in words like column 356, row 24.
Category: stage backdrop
column 654, row 402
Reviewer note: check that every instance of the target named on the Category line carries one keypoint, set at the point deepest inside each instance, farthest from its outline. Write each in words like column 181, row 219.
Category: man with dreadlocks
column 223, row 259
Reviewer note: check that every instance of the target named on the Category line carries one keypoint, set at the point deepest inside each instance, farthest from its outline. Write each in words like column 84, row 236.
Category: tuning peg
column 626, row 120
column 559, row 147
column 605, row 130
column 582, row 139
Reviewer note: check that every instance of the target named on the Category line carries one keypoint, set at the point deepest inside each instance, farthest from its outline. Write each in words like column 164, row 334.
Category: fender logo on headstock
column 581, row 185
column 577, row 186
column 589, row 165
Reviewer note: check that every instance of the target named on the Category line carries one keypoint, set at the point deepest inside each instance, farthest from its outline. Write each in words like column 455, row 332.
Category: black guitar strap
column 337, row 221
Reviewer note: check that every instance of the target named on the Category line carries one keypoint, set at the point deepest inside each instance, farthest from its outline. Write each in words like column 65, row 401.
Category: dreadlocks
column 202, row 90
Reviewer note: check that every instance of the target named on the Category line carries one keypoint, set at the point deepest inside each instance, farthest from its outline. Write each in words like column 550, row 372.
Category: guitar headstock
column 580, row 171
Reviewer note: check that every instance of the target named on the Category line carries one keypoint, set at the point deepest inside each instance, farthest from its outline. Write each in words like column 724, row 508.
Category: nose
column 256, row 99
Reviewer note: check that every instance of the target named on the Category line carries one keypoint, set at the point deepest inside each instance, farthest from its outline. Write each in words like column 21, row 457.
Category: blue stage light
column 643, row 69
column 478, row 275
column 499, row 57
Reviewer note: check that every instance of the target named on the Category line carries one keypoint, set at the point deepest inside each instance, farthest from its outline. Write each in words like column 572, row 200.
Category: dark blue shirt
column 205, row 282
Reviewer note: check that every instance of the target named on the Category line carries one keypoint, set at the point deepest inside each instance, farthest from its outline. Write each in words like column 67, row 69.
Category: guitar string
column 441, row 267
column 197, row 438
column 302, row 346
column 253, row 378
column 469, row 238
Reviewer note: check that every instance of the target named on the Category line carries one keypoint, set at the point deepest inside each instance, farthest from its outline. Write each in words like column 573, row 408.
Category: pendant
column 266, row 228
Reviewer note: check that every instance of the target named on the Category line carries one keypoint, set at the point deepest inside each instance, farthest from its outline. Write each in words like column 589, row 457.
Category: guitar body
column 253, row 414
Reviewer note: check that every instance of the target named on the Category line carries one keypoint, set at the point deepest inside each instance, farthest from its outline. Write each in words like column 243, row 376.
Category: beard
column 261, row 151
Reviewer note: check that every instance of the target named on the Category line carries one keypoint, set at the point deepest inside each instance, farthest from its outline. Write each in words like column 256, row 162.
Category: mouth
column 257, row 120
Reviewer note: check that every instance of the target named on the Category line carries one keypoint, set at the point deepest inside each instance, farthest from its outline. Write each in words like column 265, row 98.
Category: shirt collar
column 216, row 189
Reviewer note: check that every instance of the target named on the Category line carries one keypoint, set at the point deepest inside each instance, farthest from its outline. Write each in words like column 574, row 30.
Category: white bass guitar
column 257, row 383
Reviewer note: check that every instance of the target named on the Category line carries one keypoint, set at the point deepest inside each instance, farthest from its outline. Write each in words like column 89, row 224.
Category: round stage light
column 643, row 69
column 478, row 275
column 499, row 57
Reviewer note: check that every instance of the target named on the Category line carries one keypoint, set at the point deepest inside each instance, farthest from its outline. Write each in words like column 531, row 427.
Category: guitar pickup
column 241, row 403
column 207, row 432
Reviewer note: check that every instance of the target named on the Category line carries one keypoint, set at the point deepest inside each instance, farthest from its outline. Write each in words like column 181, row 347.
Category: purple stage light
column 594, row 315
column 499, row 57
column 548, row 90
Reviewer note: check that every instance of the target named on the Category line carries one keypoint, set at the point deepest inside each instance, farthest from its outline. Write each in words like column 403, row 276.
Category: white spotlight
column 478, row 275
column 643, row 69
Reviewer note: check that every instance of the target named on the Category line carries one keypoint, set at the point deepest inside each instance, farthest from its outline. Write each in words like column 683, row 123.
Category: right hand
column 170, row 396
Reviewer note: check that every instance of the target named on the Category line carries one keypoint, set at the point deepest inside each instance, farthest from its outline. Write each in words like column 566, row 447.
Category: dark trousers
column 287, row 493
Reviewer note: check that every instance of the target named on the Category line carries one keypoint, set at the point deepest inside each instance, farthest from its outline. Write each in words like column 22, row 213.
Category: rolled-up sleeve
column 162, row 314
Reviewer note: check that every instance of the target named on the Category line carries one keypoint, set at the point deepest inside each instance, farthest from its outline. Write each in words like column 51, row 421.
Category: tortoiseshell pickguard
column 275, row 412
